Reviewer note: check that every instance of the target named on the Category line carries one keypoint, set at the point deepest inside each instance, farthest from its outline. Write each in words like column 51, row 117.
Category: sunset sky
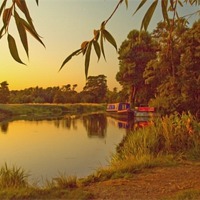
column 64, row 25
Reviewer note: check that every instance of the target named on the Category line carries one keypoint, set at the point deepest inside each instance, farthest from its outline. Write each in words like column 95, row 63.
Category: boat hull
column 124, row 115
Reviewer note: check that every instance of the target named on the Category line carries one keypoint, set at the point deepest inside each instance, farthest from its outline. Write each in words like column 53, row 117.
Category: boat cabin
column 116, row 107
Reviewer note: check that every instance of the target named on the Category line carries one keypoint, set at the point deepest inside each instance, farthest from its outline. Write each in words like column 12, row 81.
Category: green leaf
column 180, row 3
column 22, row 32
column 148, row 15
column 101, row 45
column 3, row 6
column 7, row 15
column 126, row 2
column 70, row 57
column 110, row 38
column 87, row 58
column 37, row 1
column 23, row 7
column 140, row 5
column 97, row 49
column 13, row 49
column 96, row 35
column 172, row 4
column 1, row 31
column 164, row 4
column 31, row 31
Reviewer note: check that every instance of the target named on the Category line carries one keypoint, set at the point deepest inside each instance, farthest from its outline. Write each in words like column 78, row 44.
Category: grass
column 14, row 185
column 165, row 142
column 14, row 177
column 46, row 110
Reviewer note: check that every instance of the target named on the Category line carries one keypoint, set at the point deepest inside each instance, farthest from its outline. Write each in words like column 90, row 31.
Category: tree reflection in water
column 4, row 127
column 96, row 125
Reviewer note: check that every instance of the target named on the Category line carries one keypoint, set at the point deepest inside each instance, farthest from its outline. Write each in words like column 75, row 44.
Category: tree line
column 94, row 91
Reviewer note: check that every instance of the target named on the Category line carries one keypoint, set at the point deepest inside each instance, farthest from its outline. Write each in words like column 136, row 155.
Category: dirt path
column 151, row 184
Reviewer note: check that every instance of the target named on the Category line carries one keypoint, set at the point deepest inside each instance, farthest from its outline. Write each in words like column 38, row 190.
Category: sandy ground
column 151, row 184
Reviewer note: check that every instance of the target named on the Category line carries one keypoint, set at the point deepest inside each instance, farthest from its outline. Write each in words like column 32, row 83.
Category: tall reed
column 171, row 135
column 14, row 177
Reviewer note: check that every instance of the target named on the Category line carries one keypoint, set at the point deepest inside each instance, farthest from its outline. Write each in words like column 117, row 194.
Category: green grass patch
column 46, row 110
column 14, row 185
column 14, row 177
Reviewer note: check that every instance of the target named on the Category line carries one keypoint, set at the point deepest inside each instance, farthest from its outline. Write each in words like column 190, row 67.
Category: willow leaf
column 164, row 4
column 110, row 38
column 7, row 15
column 70, row 57
column 126, row 2
column 1, row 31
column 23, row 7
column 97, row 49
column 32, row 31
column 22, row 32
column 13, row 49
column 140, row 5
column 172, row 4
column 180, row 3
column 101, row 45
column 87, row 58
column 3, row 6
column 148, row 15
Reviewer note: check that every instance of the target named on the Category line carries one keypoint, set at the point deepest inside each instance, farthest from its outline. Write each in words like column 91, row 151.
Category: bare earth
column 151, row 184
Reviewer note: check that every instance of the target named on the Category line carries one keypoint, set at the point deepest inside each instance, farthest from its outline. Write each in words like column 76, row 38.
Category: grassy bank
column 165, row 142
column 8, row 110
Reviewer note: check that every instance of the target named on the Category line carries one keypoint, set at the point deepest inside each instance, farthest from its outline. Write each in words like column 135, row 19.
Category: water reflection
column 75, row 144
column 4, row 127
column 96, row 125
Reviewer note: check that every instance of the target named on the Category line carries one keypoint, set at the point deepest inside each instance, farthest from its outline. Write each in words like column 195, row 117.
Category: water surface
column 72, row 145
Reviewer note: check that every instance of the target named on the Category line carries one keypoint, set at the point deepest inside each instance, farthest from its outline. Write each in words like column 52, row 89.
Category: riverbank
column 159, row 161
column 177, row 182
column 46, row 110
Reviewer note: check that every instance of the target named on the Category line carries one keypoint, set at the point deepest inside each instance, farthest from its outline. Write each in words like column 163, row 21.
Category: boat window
column 112, row 106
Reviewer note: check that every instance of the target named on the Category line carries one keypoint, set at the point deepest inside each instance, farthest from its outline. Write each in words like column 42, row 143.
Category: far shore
column 46, row 109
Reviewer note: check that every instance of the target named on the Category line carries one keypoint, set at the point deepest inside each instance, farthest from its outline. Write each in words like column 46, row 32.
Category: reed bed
column 165, row 142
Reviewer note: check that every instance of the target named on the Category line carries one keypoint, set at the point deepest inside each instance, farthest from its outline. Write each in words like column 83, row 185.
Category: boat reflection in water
column 130, row 124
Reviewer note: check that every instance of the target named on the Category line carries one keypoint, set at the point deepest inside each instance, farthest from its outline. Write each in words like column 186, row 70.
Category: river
column 73, row 145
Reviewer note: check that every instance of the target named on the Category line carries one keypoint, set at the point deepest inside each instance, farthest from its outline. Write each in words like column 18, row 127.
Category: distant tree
column 112, row 96
column 4, row 92
column 96, row 87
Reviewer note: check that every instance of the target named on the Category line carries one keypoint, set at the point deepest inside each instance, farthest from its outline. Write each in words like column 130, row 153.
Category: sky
column 63, row 26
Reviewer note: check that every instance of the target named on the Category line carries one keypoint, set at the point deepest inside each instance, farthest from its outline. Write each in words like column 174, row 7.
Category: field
column 46, row 110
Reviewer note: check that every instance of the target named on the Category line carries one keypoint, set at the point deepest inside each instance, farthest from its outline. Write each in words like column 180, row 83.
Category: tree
column 176, row 76
column 96, row 87
column 134, row 54
column 4, row 92
column 189, row 70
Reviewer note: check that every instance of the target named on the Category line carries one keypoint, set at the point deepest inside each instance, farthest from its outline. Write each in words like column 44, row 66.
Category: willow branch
column 106, row 21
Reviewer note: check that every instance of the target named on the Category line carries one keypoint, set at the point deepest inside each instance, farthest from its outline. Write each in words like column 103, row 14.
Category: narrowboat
column 120, row 110
column 144, row 111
